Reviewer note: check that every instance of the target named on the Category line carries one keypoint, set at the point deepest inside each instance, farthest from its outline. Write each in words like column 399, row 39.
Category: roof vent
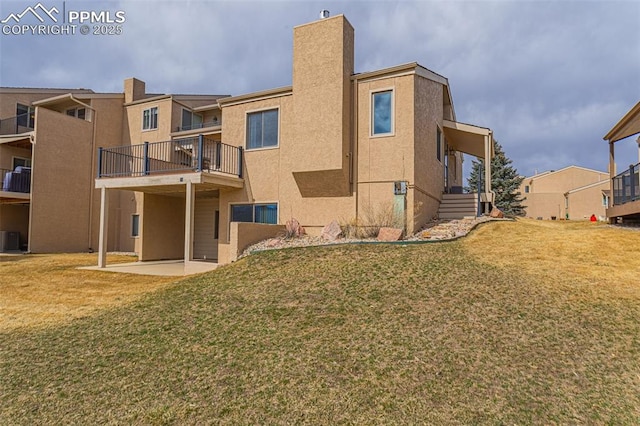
column 324, row 13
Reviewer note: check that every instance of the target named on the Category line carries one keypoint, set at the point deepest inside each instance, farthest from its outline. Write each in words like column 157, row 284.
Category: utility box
column 9, row 241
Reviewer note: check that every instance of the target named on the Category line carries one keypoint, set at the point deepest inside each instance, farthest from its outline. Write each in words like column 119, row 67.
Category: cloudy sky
column 549, row 77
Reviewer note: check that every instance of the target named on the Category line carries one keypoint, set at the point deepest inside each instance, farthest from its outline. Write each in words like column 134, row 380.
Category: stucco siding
column 162, row 227
column 61, row 183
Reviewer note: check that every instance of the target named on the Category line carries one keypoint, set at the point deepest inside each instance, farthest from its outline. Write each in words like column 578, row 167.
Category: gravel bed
column 438, row 230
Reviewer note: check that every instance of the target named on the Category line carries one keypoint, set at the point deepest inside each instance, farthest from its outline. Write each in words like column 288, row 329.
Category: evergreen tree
column 505, row 182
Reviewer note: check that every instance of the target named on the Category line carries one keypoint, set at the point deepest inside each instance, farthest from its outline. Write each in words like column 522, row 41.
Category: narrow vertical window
column 439, row 144
column 135, row 225
column 382, row 113
column 150, row 118
column 25, row 116
column 216, row 225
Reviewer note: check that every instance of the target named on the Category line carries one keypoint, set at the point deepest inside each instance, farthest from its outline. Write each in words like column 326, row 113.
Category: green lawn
column 364, row 334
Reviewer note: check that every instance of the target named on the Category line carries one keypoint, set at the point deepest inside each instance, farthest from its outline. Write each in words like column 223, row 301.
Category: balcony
column 19, row 124
column 194, row 154
column 626, row 186
column 196, row 126
column 16, row 185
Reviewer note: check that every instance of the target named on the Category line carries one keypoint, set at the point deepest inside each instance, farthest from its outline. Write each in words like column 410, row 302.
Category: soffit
column 466, row 138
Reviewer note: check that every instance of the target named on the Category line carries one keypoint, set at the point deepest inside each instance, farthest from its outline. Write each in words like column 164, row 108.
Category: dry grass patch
column 362, row 334
column 45, row 290
column 563, row 253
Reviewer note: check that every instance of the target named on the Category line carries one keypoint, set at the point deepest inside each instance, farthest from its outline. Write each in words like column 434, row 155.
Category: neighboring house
column 48, row 144
column 573, row 193
column 335, row 145
column 625, row 186
column 46, row 152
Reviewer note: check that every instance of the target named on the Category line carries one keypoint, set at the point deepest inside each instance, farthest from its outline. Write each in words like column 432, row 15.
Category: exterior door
column 205, row 238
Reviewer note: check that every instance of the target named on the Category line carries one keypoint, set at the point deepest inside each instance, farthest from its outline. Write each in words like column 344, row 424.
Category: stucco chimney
column 323, row 62
column 134, row 90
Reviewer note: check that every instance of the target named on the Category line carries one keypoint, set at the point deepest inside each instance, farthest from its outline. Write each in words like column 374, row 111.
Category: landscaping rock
column 331, row 232
column 294, row 229
column 496, row 213
column 389, row 234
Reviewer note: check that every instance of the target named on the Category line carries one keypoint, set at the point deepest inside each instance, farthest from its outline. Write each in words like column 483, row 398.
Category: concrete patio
column 176, row 268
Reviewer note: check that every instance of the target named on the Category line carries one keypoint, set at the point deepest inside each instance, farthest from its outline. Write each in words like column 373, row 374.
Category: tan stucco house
column 199, row 177
column 574, row 193
column 48, row 138
column 625, row 186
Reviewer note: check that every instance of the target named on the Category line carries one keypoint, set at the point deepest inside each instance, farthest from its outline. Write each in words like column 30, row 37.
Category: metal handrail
column 199, row 126
column 626, row 185
column 197, row 154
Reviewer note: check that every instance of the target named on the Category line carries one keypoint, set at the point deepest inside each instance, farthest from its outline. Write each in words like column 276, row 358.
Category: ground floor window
column 135, row 225
column 256, row 213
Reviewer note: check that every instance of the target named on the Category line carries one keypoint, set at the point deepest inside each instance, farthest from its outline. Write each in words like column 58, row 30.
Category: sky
column 550, row 78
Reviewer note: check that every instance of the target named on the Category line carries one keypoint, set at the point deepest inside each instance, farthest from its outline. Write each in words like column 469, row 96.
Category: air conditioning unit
column 9, row 241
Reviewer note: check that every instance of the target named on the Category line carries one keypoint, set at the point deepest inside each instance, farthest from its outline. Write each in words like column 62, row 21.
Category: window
column 262, row 129
column 256, row 213
column 150, row 118
column 439, row 144
column 526, row 189
column 25, row 116
column 216, row 225
column 191, row 120
column 382, row 113
column 21, row 162
column 135, row 225
column 80, row 113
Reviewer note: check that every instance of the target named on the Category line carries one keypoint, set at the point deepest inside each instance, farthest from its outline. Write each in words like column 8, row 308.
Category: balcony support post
column 632, row 184
column 104, row 224
column 145, row 156
column 200, row 149
column 99, row 162
column 240, row 153
column 189, row 218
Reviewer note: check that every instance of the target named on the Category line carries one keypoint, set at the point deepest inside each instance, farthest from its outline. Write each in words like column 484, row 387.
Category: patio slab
column 167, row 268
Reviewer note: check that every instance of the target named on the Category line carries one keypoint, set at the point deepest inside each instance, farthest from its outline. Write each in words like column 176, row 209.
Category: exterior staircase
column 458, row 206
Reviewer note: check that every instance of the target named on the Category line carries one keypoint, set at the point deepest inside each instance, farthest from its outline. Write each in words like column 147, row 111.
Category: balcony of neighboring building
column 162, row 166
column 206, row 120
column 626, row 195
column 625, row 186
column 15, row 168
column 21, row 123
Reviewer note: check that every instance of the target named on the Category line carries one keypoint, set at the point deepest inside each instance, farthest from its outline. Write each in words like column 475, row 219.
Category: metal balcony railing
column 626, row 186
column 18, row 180
column 197, row 154
column 202, row 125
column 19, row 124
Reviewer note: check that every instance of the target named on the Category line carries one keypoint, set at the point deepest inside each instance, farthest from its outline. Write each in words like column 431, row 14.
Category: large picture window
column 256, row 213
column 150, row 118
column 382, row 113
column 262, row 129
